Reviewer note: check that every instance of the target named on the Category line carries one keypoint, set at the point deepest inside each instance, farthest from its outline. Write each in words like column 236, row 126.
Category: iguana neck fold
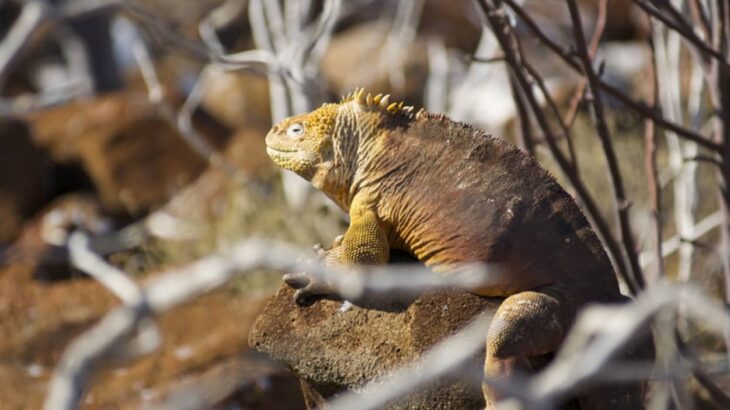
column 355, row 133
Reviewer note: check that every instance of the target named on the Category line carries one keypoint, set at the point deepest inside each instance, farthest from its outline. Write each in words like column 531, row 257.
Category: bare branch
column 527, row 140
column 33, row 14
column 671, row 245
column 600, row 26
column 112, row 278
column 704, row 158
column 218, row 18
column 600, row 333
column 678, row 25
column 564, row 127
column 641, row 108
column 651, row 169
column 322, row 34
column 182, row 121
column 27, row 103
column 255, row 60
column 401, row 35
column 621, row 200
column 436, row 90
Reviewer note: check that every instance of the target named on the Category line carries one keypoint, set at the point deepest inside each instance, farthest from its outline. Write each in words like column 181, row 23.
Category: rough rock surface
column 204, row 342
column 135, row 159
column 332, row 349
column 41, row 244
column 239, row 100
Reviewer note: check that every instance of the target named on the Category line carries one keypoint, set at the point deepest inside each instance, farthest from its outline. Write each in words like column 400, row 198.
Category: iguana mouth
column 272, row 150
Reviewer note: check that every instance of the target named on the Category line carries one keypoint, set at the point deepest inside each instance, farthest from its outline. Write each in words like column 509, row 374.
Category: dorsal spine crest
column 378, row 103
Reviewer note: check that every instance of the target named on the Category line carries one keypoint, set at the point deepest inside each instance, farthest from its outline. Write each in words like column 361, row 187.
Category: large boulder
column 239, row 100
column 331, row 348
column 353, row 59
column 135, row 159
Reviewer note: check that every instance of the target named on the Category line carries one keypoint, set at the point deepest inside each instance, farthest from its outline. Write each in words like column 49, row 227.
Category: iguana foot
column 309, row 288
column 527, row 324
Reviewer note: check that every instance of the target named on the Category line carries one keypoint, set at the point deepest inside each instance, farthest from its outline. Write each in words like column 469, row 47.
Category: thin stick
column 672, row 244
column 641, row 108
column 182, row 121
column 681, row 27
column 523, row 117
column 556, row 112
column 621, row 200
column 572, row 112
column 651, row 167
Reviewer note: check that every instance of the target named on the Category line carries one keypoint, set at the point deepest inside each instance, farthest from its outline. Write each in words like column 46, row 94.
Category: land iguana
column 450, row 194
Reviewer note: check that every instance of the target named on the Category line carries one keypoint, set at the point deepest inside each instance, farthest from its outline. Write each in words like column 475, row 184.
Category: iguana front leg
column 364, row 243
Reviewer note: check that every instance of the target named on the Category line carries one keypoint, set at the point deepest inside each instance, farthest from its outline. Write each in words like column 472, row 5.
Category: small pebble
column 147, row 394
column 346, row 305
column 183, row 352
column 35, row 370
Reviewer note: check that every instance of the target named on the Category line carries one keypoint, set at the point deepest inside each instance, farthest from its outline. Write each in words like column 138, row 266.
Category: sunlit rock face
column 334, row 346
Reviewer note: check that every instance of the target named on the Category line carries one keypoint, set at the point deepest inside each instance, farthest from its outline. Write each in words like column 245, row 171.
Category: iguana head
column 303, row 143
column 323, row 146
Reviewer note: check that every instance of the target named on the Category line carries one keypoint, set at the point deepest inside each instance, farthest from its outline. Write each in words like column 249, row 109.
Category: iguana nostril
column 275, row 128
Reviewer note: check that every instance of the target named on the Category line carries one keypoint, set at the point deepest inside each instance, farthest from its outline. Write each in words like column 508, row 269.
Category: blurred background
column 142, row 123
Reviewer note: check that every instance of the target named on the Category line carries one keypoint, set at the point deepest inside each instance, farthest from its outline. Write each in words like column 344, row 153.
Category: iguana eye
column 295, row 130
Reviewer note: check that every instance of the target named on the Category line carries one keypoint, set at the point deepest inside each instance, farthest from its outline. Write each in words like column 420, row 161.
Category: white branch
column 33, row 14
column 112, row 278
column 671, row 245
column 183, row 120
column 400, row 37
column 437, row 84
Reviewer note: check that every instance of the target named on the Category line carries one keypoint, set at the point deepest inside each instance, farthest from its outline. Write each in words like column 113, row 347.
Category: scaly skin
column 449, row 194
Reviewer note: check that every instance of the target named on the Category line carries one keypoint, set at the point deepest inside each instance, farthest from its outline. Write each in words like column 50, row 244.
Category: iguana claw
column 320, row 251
column 296, row 280
column 309, row 287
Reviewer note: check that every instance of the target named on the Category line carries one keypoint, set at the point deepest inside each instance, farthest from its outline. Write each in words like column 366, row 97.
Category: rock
column 331, row 349
column 438, row 18
column 134, row 157
column 41, row 244
column 353, row 59
column 248, row 381
column 202, row 340
column 24, row 171
column 247, row 151
column 238, row 100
